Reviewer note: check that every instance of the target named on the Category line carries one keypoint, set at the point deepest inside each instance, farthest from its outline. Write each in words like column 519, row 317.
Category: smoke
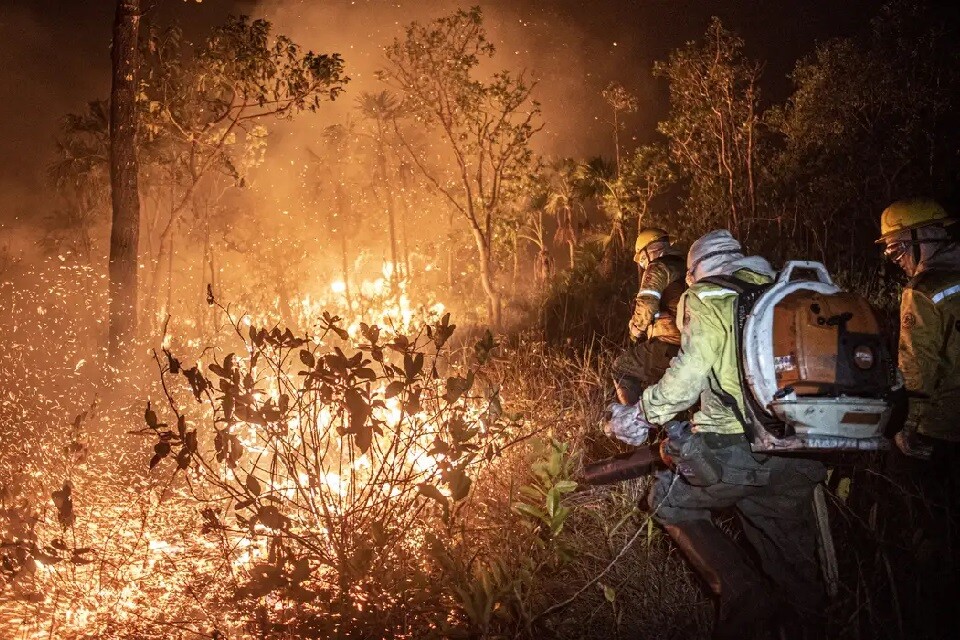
column 570, row 64
column 49, row 68
column 545, row 42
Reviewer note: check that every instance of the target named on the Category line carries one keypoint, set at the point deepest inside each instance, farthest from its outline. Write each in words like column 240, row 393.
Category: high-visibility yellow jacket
column 929, row 352
column 707, row 363
column 655, row 311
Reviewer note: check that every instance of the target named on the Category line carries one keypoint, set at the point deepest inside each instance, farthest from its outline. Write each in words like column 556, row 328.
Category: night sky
column 56, row 57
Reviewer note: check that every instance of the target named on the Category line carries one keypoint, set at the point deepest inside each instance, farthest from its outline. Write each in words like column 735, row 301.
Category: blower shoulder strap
column 734, row 284
column 747, row 295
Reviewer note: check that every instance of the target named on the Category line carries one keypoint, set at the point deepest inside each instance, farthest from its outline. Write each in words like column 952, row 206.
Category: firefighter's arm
column 654, row 280
column 920, row 337
column 701, row 342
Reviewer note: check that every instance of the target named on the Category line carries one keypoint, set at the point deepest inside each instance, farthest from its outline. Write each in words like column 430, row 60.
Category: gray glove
column 627, row 424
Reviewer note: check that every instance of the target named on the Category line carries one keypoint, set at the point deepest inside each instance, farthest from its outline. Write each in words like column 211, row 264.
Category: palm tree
column 597, row 178
column 563, row 203
column 534, row 231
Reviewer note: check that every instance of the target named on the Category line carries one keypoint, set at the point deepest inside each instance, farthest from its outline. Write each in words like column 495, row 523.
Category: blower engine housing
column 816, row 366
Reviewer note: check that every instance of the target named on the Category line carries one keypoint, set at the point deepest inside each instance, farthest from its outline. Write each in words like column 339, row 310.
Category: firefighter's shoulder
column 937, row 285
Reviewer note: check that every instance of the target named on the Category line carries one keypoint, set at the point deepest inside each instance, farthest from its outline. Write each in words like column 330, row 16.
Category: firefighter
column 654, row 336
column 915, row 237
column 772, row 494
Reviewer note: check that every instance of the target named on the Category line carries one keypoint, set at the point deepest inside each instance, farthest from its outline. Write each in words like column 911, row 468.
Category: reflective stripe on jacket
column 655, row 311
column 708, row 358
column 929, row 352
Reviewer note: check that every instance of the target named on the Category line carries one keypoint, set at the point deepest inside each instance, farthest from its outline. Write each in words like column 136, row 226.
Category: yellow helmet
column 913, row 213
column 648, row 236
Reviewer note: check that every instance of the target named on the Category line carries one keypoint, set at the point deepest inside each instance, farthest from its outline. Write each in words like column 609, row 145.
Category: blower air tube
column 625, row 466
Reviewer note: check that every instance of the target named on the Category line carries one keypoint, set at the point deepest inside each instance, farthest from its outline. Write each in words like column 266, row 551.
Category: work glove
column 627, row 423
column 636, row 333
column 912, row 444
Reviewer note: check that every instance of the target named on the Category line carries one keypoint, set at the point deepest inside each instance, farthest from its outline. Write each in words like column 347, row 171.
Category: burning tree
column 199, row 112
column 125, row 228
column 205, row 110
column 484, row 127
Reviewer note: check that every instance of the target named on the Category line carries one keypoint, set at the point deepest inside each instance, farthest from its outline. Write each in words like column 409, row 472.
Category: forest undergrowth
column 407, row 482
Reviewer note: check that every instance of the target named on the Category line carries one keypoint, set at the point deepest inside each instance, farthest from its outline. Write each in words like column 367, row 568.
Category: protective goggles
column 895, row 251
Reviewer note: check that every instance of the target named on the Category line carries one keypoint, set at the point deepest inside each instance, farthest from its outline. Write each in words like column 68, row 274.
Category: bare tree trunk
column 203, row 314
column 516, row 263
column 343, row 208
column 404, row 215
column 616, row 138
column 391, row 214
column 395, row 269
column 125, row 226
column 345, row 267
column 494, row 302
column 450, row 244
column 150, row 305
column 170, row 279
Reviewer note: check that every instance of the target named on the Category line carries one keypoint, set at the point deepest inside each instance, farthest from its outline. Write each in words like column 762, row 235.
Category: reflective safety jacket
column 929, row 352
column 655, row 311
column 707, row 364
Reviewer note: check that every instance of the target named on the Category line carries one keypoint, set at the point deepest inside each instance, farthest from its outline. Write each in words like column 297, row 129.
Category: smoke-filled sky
column 56, row 56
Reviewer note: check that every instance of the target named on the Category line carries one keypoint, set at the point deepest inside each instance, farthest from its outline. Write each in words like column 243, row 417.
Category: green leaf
column 609, row 594
column 565, row 486
column 524, row 509
column 558, row 520
column 843, row 489
column 553, row 501
column 534, row 493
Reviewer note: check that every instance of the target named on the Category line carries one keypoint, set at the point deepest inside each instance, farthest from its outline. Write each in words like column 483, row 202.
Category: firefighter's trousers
column 773, row 495
column 639, row 366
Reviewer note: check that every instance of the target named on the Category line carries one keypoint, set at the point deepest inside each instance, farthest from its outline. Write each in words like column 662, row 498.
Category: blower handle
column 786, row 273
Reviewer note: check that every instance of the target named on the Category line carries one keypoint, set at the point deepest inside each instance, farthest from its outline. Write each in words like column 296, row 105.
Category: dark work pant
column 640, row 365
column 922, row 531
column 773, row 495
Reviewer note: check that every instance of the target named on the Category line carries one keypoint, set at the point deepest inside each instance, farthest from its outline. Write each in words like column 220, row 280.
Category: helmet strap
column 915, row 241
